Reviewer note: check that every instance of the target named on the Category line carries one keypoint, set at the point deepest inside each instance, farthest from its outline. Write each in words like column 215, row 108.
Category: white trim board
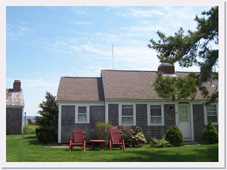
column 59, row 123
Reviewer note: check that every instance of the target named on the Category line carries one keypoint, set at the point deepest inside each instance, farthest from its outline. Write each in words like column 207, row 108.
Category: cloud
column 82, row 23
column 140, row 13
column 80, row 10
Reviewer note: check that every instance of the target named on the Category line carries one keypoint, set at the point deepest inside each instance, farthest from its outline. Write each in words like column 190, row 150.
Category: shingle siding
column 141, row 119
column 199, row 123
column 13, row 120
column 97, row 113
column 113, row 114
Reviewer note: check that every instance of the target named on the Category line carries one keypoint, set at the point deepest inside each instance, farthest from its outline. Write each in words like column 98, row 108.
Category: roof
column 114, row 85
column 80, row 89
column 135, row 85
column 14, row 98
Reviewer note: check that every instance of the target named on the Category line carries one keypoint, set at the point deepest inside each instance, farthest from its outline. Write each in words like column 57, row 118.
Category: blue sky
column 45, row 43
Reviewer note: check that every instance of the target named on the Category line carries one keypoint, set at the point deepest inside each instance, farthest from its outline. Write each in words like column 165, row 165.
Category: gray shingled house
column 14, row 109
column 123, row 97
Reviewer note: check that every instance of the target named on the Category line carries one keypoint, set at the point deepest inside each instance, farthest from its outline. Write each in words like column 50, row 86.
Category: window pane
column 156, row 120
column 82, row 109
column 211, row 108
column 127, row 110
column 82, row 118
column 211, row 113
column 212, row 118
column 127, row 120
column 183, row 113
column 155, row 110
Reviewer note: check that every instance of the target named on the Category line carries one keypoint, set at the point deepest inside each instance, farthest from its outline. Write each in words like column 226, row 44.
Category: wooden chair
column 115, row 139
column 30, row 122
column 77, row 139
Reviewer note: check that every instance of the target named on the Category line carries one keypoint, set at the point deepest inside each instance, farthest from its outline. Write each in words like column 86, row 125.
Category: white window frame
column 88, row 113
column 205, row 114
column 120, row 114
column 149, row 115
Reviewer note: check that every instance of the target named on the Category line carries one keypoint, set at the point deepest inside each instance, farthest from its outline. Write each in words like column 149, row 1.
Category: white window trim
column 149, row 115
column 205, row 114
column 76, row 113
column 120, row 114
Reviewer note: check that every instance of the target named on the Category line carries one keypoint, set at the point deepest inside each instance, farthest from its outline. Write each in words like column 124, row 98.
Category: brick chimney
column 166, row 68
column 17, row 86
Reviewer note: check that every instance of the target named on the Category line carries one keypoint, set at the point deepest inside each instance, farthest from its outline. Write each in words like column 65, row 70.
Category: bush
column 210, row 134
column 139, row 139
column 159, row 143
column 102, row 130
column 47, row 135
column 174, row 136
column 28, row 130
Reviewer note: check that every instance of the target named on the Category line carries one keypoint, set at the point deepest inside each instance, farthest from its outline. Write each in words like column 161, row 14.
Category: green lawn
column 26, row 148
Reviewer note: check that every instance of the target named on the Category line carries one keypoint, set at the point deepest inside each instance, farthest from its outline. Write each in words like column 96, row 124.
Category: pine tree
column 188, row 49
column 48, row 112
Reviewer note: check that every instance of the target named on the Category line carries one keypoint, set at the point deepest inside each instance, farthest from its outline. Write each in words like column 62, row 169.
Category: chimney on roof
column 166, row 68
column 17, row 86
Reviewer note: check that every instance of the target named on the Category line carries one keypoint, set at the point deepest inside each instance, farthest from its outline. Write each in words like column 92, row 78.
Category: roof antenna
column 113, row 56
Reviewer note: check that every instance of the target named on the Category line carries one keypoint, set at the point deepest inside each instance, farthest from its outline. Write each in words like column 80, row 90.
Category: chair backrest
column 115, row 135
column 78, row 136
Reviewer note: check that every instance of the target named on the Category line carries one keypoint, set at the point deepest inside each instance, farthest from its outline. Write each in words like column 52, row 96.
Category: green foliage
column 176, row 88
column 159, row 143
column 193, row 47
column 28, row 130
column 102, row 130
column 210, row 134
column 47, row 134
column 139, row 139
column 174, row 136
column 48, row 112
column 48, row 121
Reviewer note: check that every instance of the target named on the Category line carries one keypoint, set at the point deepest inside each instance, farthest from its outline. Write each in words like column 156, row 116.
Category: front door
column 184, row 121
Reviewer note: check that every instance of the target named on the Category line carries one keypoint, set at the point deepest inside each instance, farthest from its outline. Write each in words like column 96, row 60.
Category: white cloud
column 80, row 10
column 81, row 22
column 140, row 13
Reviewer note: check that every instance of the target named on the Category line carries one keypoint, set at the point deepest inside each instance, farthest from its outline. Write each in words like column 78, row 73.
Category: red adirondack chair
column 30, row 122
column 115, row 139
column 77, row 139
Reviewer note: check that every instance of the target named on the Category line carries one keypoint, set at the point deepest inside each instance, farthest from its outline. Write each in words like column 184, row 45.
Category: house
column 14, row 109
column 123, row 97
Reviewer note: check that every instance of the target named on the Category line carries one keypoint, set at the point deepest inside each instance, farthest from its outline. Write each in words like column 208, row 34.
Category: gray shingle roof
column 80, row 89
column 114, row 85
column 135, row 85
column 14, row 98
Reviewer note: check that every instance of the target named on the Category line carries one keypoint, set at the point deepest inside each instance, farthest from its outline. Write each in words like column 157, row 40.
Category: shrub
column 28, row 130
column 174, row 136
column 139, row 139
column 102, row 130
column 159, row 143
column 47, row 135
column 210, row 134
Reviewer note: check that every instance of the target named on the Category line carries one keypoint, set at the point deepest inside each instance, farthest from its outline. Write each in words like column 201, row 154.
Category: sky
column 46, row 43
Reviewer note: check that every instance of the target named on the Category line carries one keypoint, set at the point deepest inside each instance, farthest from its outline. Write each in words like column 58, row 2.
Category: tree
column 48, row 130
column 48, row 112
column 195, row 47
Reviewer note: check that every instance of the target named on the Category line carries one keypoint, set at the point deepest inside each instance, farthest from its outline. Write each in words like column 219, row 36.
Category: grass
column 26, row 148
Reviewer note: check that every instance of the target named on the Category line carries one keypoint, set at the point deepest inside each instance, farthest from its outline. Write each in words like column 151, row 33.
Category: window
column 211, row 113
column 82, row 114
column 127, row 115
column 155, row 115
